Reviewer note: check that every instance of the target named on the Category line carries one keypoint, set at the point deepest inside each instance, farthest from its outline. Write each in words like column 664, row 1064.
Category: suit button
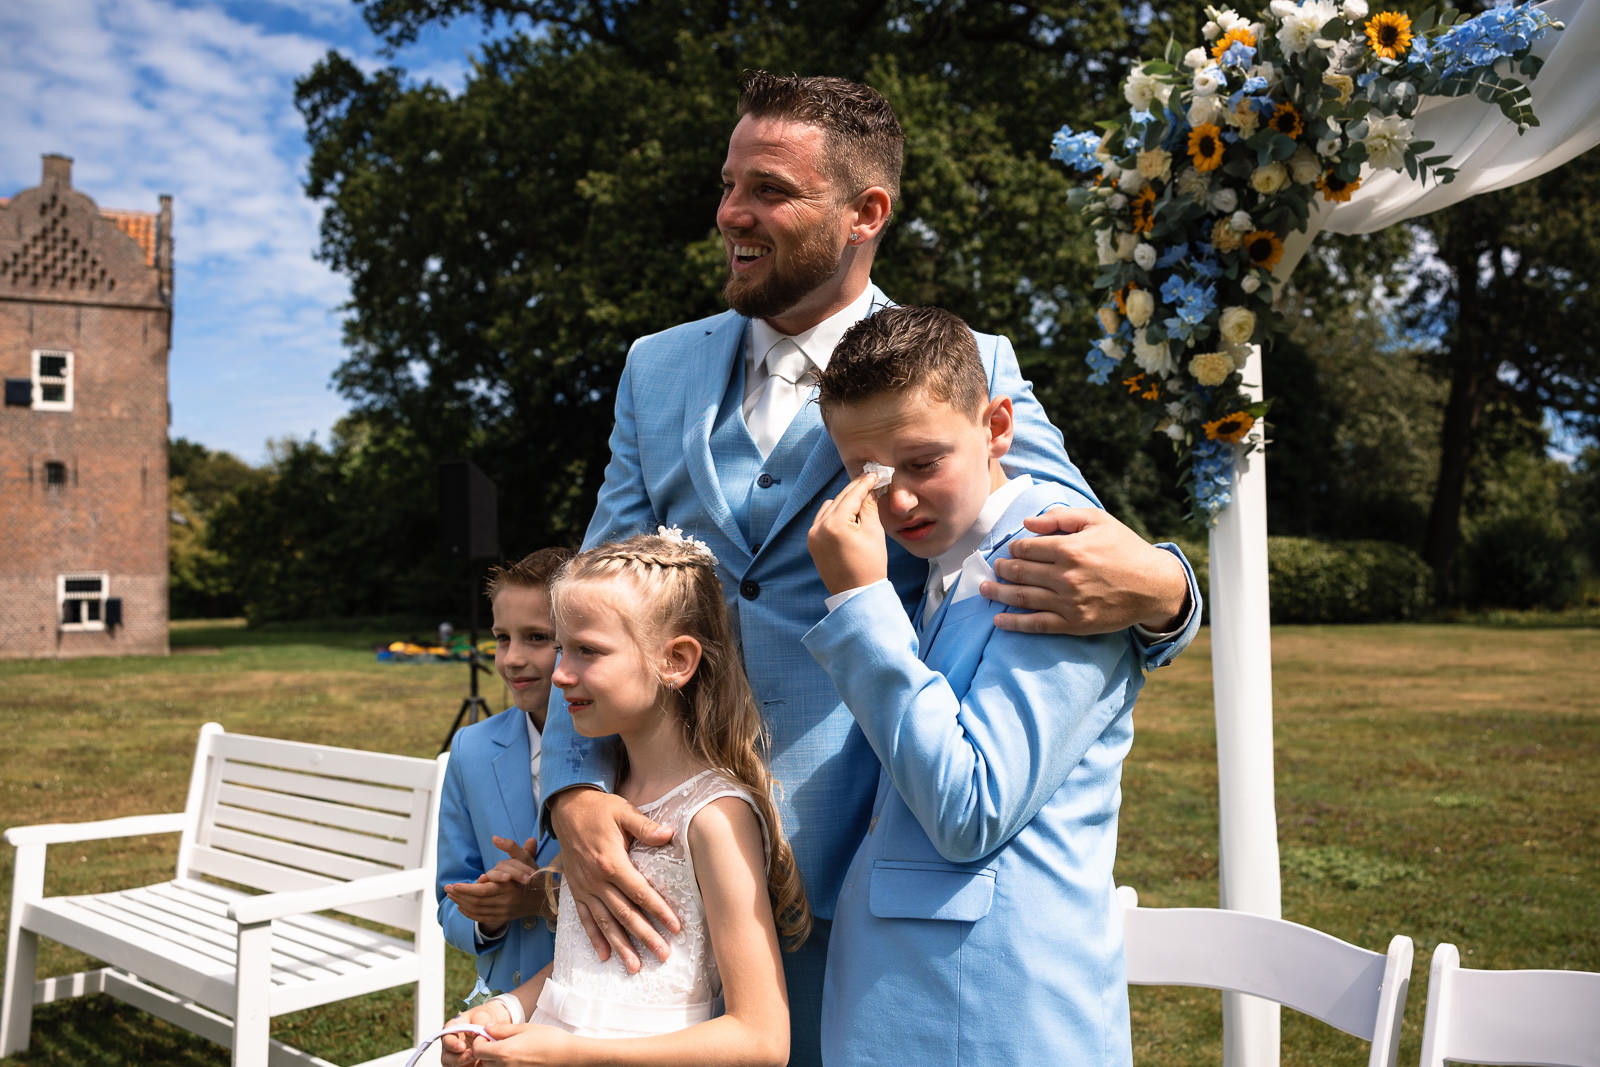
column 765, row 481
column 749, row 590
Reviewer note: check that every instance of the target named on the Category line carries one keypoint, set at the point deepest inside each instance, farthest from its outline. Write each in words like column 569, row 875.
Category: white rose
column 1207, row 80
column 1126, row 243
column 1174, row 430
column 1388, row 137
column 1145, row 256
column 1229, row 19
column 1204, row 109
column 1304, row 167
column 1117, row 202
column 1354, row 10
column 1109, row 321
column 1195, row 58
column 1270, row 178
column 1141, row 305
column 1156, row 164
column 1250, row 282
column 1241, row 222
column 1224, row 200
column 1211, row 31
column 1110, row 170
column 1210, row 368
column 1140, row 90
column 1109, row 346
column 1300, row 29
column 1153, row 357
column 1194, row 184
column 1104, row 253
column 1237, row 325
column 1131, row 181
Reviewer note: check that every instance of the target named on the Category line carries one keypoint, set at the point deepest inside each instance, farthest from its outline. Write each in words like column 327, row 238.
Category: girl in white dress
column 647, row 654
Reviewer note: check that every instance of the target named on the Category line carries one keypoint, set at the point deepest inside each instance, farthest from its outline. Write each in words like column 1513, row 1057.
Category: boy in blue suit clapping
column 490, row 898
column 977, row 923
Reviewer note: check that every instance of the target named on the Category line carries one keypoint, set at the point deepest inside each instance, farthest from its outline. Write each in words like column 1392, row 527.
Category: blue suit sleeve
column 458, row 856
column 973, row 769
column 622, row 509
column 1037, row 449
column 1036, row 446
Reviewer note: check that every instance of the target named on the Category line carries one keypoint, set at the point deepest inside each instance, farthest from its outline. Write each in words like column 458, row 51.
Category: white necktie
column 787, row 388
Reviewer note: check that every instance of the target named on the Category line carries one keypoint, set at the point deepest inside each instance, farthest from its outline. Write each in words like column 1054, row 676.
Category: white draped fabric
column 1489, row 154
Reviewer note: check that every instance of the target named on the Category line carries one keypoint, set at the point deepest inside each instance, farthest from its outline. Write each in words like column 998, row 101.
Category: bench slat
column 364, row 820
column 229, row 866
column 363, row 847
column 336, row 790
column 408, row 772
column 330, row 864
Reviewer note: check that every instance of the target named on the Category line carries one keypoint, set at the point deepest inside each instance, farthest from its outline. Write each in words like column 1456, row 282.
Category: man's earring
column 854, row 238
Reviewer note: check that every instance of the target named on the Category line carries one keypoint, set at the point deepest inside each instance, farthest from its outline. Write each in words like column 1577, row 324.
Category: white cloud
column 197, row 100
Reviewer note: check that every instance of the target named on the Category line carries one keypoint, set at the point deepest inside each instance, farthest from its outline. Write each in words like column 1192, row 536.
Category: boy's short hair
column 904, row 348
column 533, row 571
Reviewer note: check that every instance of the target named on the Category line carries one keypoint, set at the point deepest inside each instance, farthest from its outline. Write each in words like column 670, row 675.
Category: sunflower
column 1336, row 188
column 1237, row 35
column 1144, row 210
column 1389, row 34
column 1230, row 428
column 1286, row 120
column 1205, row 146
column 1264, row 247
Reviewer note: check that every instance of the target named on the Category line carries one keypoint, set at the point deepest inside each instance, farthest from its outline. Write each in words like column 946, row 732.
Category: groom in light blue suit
column 978, row 922
column 711, row 437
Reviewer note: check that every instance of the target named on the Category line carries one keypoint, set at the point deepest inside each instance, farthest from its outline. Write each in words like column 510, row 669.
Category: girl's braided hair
column 679, row 593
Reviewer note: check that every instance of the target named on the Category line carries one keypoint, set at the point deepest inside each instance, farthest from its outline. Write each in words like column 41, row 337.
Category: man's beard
column 813, row 262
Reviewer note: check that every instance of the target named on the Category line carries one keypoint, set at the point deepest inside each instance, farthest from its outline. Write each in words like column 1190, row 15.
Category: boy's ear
column 680, row 660
column 998, row 418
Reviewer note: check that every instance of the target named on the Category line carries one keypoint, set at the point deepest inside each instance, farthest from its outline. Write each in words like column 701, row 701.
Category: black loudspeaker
column 469, row 512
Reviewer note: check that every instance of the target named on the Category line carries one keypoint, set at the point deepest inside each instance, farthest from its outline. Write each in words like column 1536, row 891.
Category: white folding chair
column 1360, row 992
column 1548, row 1018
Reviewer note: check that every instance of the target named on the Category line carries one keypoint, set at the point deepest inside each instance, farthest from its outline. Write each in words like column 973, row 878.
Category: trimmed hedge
column 1312, row 581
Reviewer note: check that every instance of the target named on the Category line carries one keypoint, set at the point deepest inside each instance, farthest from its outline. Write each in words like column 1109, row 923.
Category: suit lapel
column 514, row 776
column 709, row 369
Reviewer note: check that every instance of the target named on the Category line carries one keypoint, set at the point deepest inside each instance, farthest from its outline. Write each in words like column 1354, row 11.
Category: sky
column 196, row 99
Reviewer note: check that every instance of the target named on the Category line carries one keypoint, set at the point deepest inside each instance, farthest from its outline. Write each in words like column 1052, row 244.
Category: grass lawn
column 1436, row 781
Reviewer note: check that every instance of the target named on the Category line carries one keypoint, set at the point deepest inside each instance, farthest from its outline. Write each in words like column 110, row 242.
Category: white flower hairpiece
column 673, row 533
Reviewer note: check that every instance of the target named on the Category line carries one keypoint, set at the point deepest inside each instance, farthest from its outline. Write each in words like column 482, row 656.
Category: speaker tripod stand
column 473, row 706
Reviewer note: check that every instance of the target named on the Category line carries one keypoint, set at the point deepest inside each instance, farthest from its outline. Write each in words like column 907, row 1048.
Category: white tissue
column 884, row 474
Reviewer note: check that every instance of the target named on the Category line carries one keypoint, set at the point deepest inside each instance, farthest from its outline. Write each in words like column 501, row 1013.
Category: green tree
column 505, row 244
column 200, row 481
column 1511, row 296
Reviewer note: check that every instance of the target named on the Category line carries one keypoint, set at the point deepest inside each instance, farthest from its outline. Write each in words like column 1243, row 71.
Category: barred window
column 55, row 474
column 52, row 380
column 82, row 600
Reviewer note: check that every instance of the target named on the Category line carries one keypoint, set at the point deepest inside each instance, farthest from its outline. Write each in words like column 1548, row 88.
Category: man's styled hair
column 534, row 571
column 863, row 140
column 901, row 349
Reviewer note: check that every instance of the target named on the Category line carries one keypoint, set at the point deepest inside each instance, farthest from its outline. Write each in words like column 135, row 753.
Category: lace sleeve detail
column 715, row 786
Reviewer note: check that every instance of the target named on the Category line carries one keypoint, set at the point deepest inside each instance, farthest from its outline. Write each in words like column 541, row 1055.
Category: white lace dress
column 595, row 999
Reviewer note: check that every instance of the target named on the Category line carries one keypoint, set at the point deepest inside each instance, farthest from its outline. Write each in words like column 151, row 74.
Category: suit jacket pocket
column 904, row 890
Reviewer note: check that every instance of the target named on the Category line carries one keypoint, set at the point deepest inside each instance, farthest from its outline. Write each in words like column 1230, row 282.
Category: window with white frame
column 52, row 380
column 81, row 599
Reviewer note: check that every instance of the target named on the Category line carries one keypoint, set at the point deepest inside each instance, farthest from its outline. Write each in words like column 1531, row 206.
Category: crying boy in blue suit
column 977, row 923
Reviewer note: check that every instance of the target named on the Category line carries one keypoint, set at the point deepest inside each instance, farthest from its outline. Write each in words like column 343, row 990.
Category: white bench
column 313, row 829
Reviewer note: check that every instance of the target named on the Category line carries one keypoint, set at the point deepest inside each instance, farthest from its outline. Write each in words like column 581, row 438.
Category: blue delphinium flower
column 1240, row 55
column 1100, row 365
column 1076, row 150
column 1213, row 475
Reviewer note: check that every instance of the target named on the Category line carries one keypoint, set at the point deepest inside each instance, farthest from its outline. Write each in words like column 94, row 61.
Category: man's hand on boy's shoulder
column 846, row 539
column 1087, row 573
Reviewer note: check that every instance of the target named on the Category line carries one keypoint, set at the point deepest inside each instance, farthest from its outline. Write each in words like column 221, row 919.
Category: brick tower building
column 85, row 327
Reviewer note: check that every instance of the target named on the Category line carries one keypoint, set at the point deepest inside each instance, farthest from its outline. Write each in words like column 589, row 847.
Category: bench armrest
column 270, row 906
column 56, row 833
